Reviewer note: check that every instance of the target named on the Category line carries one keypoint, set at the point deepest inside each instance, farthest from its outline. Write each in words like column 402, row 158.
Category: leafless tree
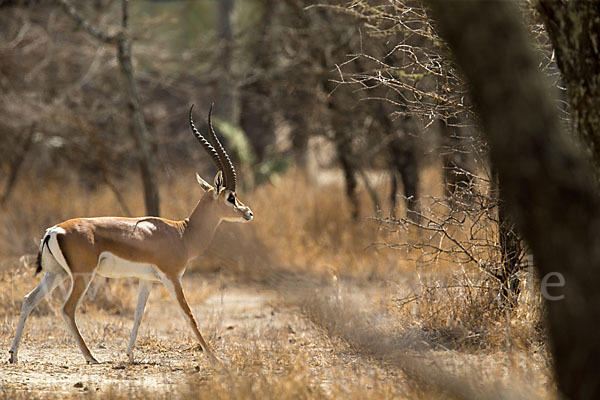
column 122, row 42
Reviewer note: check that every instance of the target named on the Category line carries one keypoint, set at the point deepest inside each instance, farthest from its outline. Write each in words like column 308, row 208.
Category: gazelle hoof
column 92, row 361
column 13, row 357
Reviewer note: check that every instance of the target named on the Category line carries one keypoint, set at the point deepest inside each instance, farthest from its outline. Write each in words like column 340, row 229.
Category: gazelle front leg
column 173, row 284
column 144, row 290
column 52, row 278
column 79, row 285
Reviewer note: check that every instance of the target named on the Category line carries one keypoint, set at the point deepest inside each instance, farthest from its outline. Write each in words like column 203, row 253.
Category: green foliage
column 273, row 165
column 237, row 142
column 239, row 147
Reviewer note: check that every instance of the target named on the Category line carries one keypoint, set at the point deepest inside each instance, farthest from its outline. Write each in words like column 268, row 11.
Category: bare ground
column 253, row 331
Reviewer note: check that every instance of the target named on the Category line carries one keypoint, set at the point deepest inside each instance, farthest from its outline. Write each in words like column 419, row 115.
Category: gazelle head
column 223, row 189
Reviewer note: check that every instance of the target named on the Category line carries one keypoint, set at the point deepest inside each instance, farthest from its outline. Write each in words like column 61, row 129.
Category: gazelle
column 150, row 248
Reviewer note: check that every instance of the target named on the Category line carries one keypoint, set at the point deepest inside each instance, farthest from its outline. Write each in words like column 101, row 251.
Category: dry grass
column 297, row 304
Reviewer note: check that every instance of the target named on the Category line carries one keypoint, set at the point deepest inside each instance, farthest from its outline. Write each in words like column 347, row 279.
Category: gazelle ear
column 218, row 182
column 203, row 184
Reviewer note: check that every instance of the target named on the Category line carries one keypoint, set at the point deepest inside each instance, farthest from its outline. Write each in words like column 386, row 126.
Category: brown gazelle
column 150, row 248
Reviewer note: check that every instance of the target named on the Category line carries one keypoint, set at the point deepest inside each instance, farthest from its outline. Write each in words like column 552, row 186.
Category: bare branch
column 87, row 26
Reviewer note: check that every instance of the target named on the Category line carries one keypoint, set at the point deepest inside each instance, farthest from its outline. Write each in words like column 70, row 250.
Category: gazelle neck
column 201, row 226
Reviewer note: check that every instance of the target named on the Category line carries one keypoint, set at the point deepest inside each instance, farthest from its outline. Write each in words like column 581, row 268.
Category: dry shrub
column 461, row 311
column 453, row 293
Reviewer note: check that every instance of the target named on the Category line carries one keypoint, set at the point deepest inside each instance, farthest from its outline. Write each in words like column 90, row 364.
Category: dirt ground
column 250, row 329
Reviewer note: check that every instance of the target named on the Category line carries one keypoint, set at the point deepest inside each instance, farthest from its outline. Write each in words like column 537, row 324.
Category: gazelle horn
column 228, row 170
column 205, row 144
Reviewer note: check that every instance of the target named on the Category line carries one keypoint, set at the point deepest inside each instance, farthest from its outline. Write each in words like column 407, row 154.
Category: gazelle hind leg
column 52, row 278
column 143, row 292
column 79, row 285
column 173, row 284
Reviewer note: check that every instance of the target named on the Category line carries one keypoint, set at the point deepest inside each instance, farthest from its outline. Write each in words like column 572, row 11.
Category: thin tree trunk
column 371, row 191
column 139, row 130
column 345, row 158
column 457, row 171
column 15, row 165
column 256, row 117
column 404, row 162
column 227, row 87
column 510, row 248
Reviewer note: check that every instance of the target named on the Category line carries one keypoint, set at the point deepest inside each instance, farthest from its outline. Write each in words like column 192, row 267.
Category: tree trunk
column 227, row 88
column 139, row 130
column 138, row 124
column 574, row 28
column 256, row 116
column 549, row 185
column 17, row 162
column 404, row 162
column 344, row 153
column 458, row 177
column 510, row 249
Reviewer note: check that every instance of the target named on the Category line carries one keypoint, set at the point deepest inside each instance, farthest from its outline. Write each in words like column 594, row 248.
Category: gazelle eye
column 231, row 199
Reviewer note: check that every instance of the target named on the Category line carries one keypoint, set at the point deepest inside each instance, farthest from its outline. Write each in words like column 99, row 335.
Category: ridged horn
column 205, row 144
column 228, row 170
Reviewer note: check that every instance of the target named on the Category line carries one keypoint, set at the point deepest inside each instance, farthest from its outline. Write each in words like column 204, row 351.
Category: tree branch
column 87, row 26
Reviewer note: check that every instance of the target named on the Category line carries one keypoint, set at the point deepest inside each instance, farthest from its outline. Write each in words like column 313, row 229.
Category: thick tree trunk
column 549, row 185
column 574, row 28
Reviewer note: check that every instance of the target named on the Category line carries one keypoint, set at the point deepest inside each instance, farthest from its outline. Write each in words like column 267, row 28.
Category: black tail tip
column 38, row 263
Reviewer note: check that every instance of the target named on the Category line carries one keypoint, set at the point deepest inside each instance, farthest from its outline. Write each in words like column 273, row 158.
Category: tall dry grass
column 305, row 225
column 383, row 302
column 300, row 228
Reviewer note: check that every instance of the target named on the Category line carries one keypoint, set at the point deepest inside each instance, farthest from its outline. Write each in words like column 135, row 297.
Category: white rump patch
column 54, row 247
column 111, row 266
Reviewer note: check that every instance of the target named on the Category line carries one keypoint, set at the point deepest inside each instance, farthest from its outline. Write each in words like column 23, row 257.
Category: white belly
column 111, row 266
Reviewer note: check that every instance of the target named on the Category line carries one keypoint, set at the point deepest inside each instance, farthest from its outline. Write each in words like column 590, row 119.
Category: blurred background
column 350, row 128
column 355, row 144
column 326, row 90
